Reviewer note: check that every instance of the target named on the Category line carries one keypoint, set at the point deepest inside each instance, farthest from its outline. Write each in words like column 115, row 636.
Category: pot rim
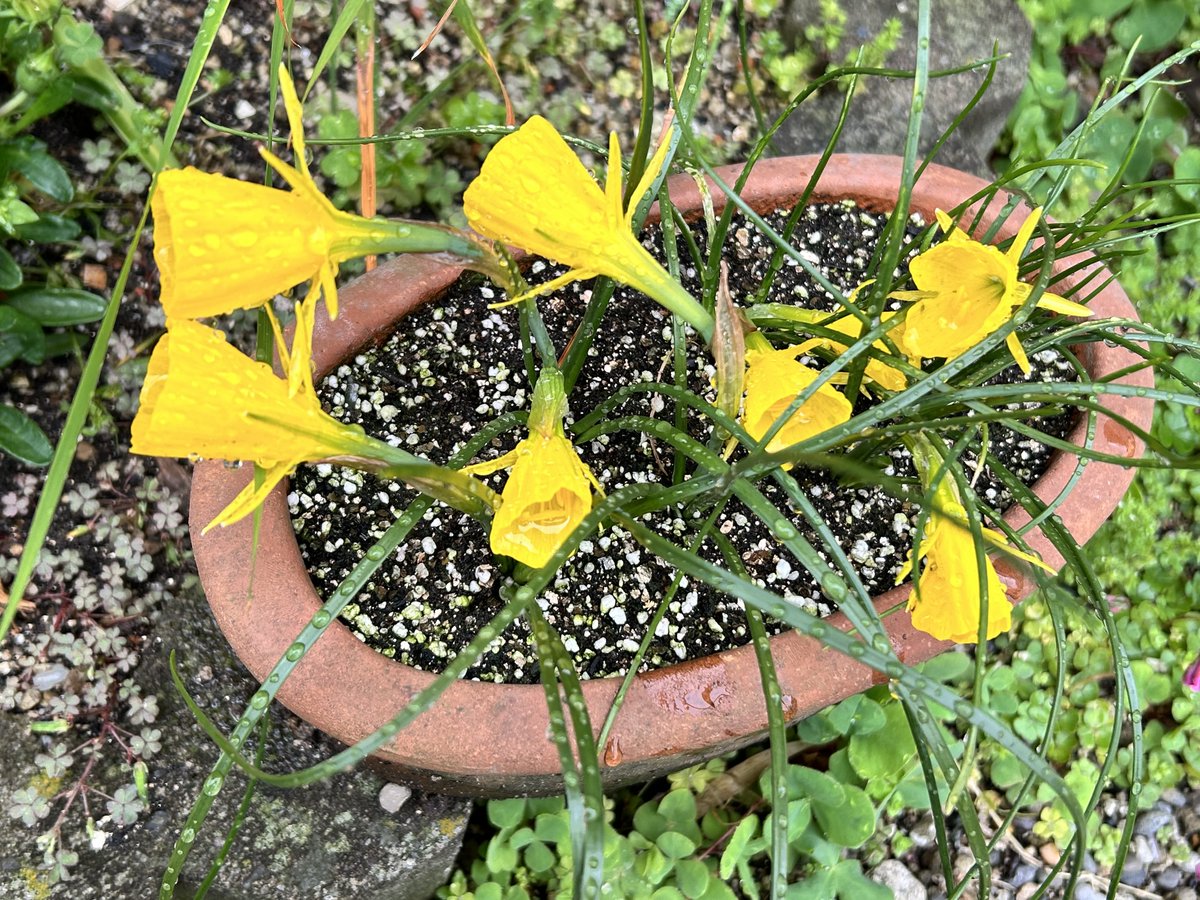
column 486, row 739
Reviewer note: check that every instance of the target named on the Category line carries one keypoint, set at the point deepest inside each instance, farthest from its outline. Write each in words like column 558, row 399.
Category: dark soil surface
column 457, row 364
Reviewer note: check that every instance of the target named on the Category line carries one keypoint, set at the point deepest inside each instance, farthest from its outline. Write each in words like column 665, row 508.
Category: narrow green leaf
column 58, row 306
column 741, row 836
column 20, row 337
column 39, row 168
column 10, row 272
column 341, row 25
column 21, row 437
column 50, row 228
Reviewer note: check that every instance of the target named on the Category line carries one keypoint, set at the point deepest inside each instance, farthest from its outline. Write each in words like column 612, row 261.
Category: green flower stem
column 549, row 403
column 671, row 294
column 373, row 236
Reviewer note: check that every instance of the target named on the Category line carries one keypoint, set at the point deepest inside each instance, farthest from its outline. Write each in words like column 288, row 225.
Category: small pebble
column 1024, row 874
column 1146, row 850
column 1174, row 797
column 1153, row 819
column 1168, row 879
column 50, row 677
column 896, row 877
column 1050, row 853
column 393, row 796
column 1134, row 874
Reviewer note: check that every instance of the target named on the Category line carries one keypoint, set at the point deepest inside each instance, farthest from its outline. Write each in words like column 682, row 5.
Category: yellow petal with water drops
column 1018, row 352
column 946, row 601
column 980, row 273
column 876, row 370
column 548, row 493
column 773, row 381
column 202, row 397
column 1062, row 306
column 223, row 244
column 653, row 167
column 946, row 325
column 533, row 192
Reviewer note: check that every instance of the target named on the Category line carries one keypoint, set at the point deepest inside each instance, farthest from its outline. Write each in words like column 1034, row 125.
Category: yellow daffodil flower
column 202, row 397
column 966, row 290
column 534, row 192
column 548, row 492
column 773, row 380
column 876, row 370
column 223, row 244
column 946, row 600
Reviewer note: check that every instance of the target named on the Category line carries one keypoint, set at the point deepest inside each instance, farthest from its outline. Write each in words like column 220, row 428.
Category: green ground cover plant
column 49, row 59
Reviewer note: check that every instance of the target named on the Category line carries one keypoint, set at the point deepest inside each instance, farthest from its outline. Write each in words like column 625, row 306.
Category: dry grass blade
column 729, row 784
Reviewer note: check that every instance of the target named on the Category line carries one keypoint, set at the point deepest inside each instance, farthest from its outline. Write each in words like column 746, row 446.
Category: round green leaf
column 692, row 876
column 58, row 306
column 522, row 837
column 886, row 750
column 817, row 786
column 501, row 857
column 506, row 813
column 552, row 828
column 675, row 845
column 1187, row 166
column 539, row 858
column 1157, row 22
column 21, row 437
column 678, row 806
column 849, row 823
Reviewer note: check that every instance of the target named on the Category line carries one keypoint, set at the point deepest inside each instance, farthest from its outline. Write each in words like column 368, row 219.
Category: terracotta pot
column 491, row 740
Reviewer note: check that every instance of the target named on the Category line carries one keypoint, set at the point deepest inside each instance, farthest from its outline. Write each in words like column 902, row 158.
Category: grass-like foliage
column 923, row 338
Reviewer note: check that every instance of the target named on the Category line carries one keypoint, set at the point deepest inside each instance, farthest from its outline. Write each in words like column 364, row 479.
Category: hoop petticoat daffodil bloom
column 966, row 290
column 947, row 598
column 773, row 380
column 549, row 490
column 222, row 244
column 534, row 192
column 202, row 397
column 876, row 370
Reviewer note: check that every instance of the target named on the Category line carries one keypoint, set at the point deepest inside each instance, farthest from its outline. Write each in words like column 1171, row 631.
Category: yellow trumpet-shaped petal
column 876, row 370
column 223, row 244
column 773, row 380
column 969, row 290
column 549, row 490
column 547, row 495
column 534, row 192
column 202, row 397
column 946, row 598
